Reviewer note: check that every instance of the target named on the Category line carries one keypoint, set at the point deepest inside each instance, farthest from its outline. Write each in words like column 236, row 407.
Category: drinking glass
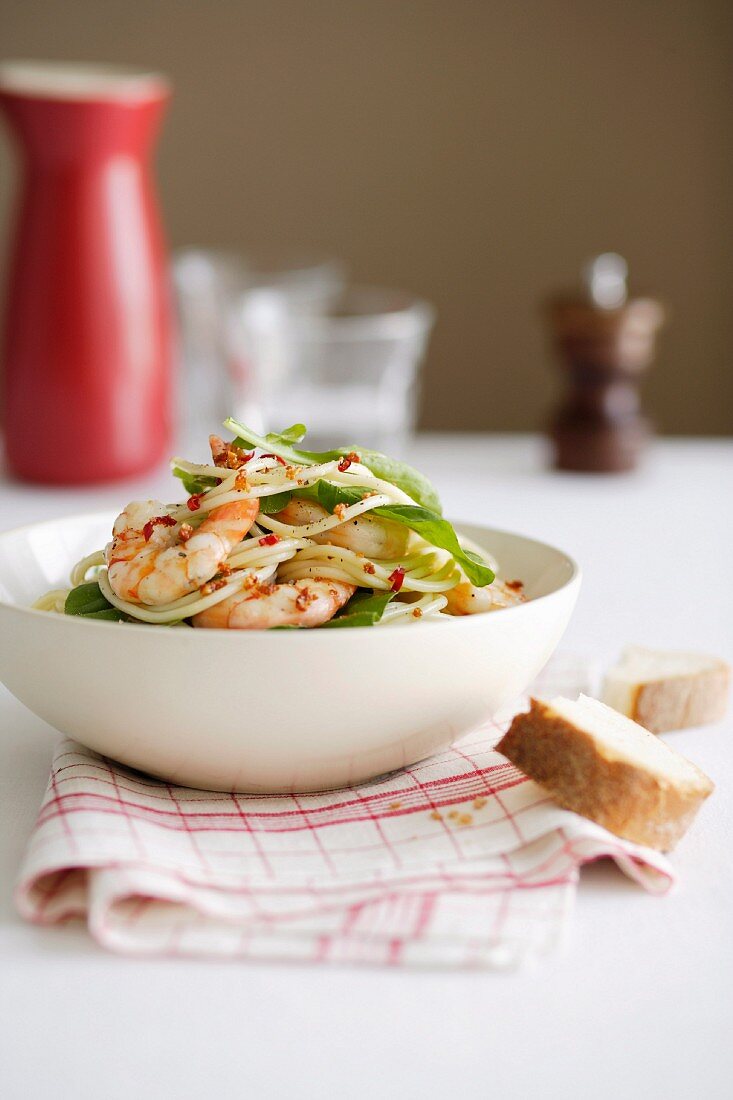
column 349, row 372
column 207, row 285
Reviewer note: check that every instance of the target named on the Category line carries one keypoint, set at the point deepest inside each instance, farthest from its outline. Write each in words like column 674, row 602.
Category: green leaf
column 193, row 484
column 287, row 435
column 330, row 495
column 438, row 532
column 87, row 600
column 429, row 525
column 275, row 503
column 278, row 444
column 365, row 608
column 405, row 477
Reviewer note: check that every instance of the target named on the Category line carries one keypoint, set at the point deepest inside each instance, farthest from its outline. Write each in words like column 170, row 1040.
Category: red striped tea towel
column 457, row 861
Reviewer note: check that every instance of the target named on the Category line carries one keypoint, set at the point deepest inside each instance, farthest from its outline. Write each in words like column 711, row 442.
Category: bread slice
column 595, row 761
column 667, row 690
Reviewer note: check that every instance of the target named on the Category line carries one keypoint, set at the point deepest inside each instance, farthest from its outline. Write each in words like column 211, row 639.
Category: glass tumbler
column 349, row 373
column 208, row 283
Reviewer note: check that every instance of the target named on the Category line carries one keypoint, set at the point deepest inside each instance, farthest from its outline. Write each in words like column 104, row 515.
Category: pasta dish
column 271, row 535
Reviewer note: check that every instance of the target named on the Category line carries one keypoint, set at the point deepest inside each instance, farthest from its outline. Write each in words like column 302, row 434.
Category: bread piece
column 665, row 690
column 606, row 767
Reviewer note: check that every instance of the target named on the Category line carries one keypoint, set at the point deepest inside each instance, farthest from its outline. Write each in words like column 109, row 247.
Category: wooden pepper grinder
column 606, row 341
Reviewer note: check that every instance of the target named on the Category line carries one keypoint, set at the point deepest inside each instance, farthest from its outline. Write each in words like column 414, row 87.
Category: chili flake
column 157, row 521
column 304, row 597
column 194, row 502
column 212, row 586
column 236, row 457
column 397, row 577
column 369, row 568
column 347, row 460
column 276, row 457
column 269, row 540
column 417, row 613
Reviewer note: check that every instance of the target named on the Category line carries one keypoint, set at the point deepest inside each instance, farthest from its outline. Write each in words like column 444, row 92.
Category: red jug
column 87, row 361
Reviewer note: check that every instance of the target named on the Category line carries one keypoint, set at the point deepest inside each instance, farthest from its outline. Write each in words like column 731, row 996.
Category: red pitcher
column 87, row 363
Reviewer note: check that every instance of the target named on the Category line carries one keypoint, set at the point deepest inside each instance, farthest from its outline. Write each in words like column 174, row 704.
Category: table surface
column 637, row 1005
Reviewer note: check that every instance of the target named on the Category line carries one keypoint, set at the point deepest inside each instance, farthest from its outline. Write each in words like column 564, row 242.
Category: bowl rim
column 449, row 623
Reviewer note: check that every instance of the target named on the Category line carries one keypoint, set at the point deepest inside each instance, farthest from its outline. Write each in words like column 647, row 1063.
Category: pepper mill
column 606, row 341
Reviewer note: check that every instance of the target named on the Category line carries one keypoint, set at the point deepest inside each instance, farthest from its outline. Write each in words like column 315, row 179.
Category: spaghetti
column 355, row 502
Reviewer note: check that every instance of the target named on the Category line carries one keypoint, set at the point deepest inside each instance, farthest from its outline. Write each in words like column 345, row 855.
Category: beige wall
column 475, row 151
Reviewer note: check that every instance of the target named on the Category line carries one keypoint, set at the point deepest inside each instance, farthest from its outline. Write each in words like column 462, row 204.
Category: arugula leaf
column 87, row 600
column 191, row 483
column 405, row 477
column 330, row 495
column 288, row 435
column 275, row 503
column 365, row 608
column 438, row 532
column 279, row 444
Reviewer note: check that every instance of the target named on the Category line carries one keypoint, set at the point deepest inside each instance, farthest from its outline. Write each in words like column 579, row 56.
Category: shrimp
column 467, row 599
column 153, row 560
column 309, row 602
column 368, row 535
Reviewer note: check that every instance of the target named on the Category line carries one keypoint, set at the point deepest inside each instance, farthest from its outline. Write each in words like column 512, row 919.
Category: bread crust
column 679, row 702
column 626, row 798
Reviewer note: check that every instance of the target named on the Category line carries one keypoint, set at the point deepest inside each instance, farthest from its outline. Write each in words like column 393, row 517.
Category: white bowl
column 269, row 710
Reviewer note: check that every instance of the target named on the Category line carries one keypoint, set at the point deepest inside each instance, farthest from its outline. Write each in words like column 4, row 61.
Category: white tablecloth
column 639, row 1005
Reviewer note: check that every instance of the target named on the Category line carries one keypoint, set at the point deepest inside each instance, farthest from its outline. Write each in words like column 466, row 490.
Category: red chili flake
column 194, row 503
column 226, row 454
column 304, row 598
column 276, row 457
column 397, row 577
column 368, row 567
column 515, row 585
column 269, row 540
column 236, row 457
column 212, row 586
column 347, row 460
column 157, row 521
